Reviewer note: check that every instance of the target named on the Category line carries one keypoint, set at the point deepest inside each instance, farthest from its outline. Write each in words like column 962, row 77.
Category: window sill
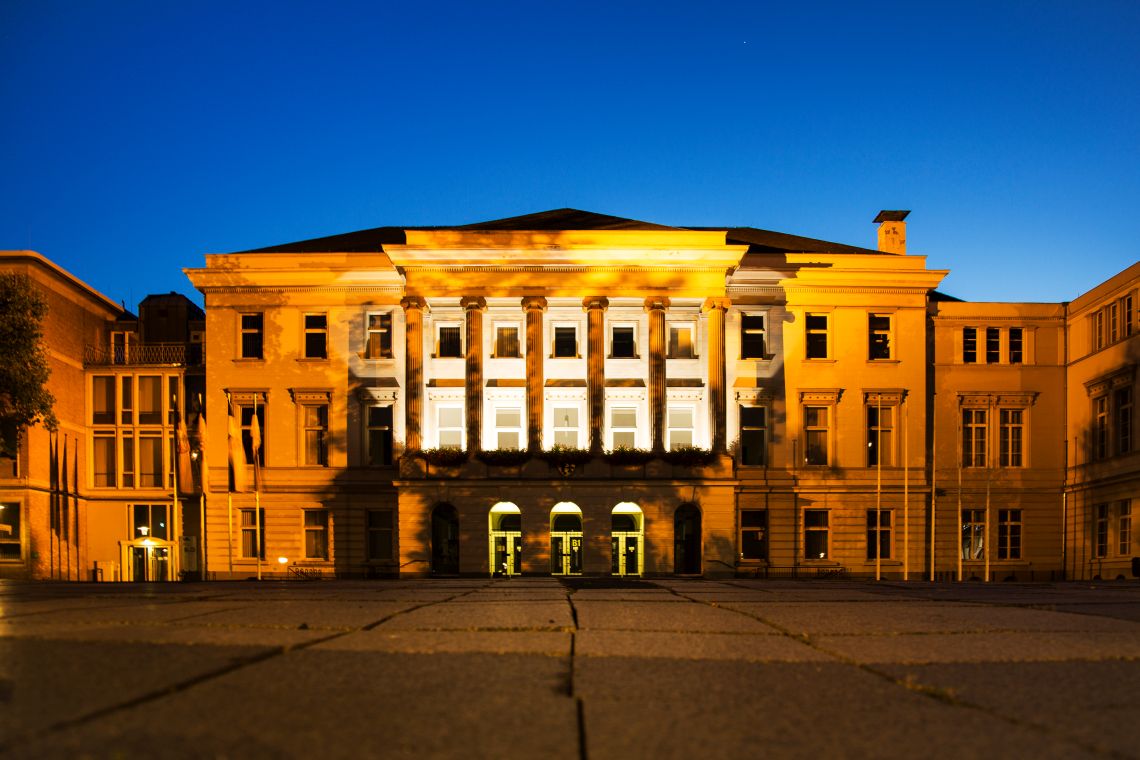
column 312, row 359
column 764, row 358
column 884, row 361
column 825, row 360
column 576, row 356
column 620, row 358
column 377, row 359
column 248, row 359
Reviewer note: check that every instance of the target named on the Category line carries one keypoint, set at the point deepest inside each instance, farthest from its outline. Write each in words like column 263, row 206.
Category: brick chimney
column 892, row 231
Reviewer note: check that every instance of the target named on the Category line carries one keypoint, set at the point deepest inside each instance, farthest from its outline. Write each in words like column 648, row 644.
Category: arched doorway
column 627, row 540
column 565, row 539
column 687, row 540
column 444, row 540
column 504, row 526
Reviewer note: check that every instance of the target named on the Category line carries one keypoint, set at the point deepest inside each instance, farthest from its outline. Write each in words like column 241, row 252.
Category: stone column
column 413, row 371
column 716, row 307
column 473, row 306
column 534, row 306
column 595, row 307
column 656, row 306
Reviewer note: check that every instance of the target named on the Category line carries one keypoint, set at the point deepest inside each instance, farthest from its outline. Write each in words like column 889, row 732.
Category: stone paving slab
column 982, row 647
column 548, row 643
column 466, row 615
column 164, row 634
column 662, row 709
column 694, row 646
column 655, row 616
column 127, row 614
column 294, row 614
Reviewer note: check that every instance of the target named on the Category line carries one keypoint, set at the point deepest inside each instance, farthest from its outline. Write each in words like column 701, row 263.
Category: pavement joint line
column 580, row 707
column 397, row 613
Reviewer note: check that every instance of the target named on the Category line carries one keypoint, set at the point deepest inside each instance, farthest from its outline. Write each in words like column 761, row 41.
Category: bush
column 623, row 455
column 560, row 456
column 442, row 457
column 503, row 457
column 689, row 456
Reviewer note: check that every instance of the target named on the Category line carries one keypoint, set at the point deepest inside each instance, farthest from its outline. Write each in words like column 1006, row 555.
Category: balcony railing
column 136, row 354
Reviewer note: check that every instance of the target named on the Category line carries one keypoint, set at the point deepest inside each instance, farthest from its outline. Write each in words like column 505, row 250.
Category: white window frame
column 437, row 327
column 306, row 331
column 369, row 331
column 612, row 431
column 889, row 332
column 519, row 331
column 625, row 324
column 518, row 430
column 555, row 325
column 767, row 353
column 555, row 405
column 826, row 331
column 669, row 428
column 439, row 428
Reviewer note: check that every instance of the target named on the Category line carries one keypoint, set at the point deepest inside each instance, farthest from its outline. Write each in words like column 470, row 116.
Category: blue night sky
column 138, row 136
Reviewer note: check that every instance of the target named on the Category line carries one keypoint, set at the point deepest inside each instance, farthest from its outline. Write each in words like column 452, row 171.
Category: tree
column 24, row 371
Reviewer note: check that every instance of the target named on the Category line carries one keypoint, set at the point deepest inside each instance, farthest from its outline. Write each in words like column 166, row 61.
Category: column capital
column 595, row 302
column 656, row 302
column 718, row 302
column 413, row 302
column 473, row 302
column 530, row 303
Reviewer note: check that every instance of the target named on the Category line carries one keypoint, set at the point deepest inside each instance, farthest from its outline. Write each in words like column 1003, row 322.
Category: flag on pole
column 53, row 480
column 203, row 471
column 255, row 440
column 65, row 500
column 237, row 454
column 182, row 443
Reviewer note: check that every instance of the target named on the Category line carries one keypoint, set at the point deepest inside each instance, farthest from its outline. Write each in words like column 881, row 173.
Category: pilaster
column 716, row 308
column 473, row 308
column 413, row 370
column 534, row 306
column 656, row 306
column 595, row 307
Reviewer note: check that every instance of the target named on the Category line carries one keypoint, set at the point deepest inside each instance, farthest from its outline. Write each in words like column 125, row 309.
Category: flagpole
column 256, row 485
column 906, row 490
column 961, row 445
column 933, row 489
column 879, row 489
column 174, row 462
column 986, row 534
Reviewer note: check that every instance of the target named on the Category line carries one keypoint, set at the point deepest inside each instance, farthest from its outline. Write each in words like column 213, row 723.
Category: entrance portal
column 627, row 540
column 505, row 539
column 566, row 539
column 444, row 540
column 687, row 540
column 148, row 559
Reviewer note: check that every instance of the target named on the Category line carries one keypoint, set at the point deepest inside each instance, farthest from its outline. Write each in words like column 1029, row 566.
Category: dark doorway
column 687, row 540
column 444, row 540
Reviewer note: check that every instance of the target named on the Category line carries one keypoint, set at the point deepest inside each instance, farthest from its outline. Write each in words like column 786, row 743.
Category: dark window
column 621, row 343
column 993, row 345
column 251, row 336
column 754, row 534
column 450, row 341
column 1009, row 534
column 880, row 431
column 251, row 547
column 316, row 336
column 379, row 338
column 1124, row 411
column 973, row 437
column 816, row 337
column 565, row 342
column 246, row 413
column 973, row 534
column 753, row 435
column 879, row 336
column 316, row 430
column 816, row 434
column 752, row 336
column 316, row 534
column 507, row 342
column 150, row 521
column 10, row 541
column 1011, row 435
column 1101, row 528
column 379, row 534
column 1016, row 345
column 379, row 435
column 815, row 534
column 969, row 345
column 879, row 527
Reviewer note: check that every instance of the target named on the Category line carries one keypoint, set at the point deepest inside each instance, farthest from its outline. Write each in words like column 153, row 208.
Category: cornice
column 386, row 289
column 557, row 268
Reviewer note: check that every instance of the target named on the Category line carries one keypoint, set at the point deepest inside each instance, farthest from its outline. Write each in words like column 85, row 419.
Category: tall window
column 450, row 427
column 379, row 534
column 150, row 400
column 969, row 345
column 680, row 426
column 127, row 415
column 879, row 533
column 993, row 345
column 245, row 414
column 622, row 343
column 753, row 435
column 1098, row 329
column 378, row 340
column 149, row 521
column 128, row 443
column 1100, row 427
column 565, row 341
column 815, row 336
column 103, row 400
column 150, row 461
column 680, row 341
column 879, row 336
column 316, row 433
column 752, row 336
column 316, row 336
column 449, row 342
column 1127, row 314
column 508, row 427
column 316, row 534
column 1122, row 398
column 507, row 341
column 754, row 534
column 378, row 426
column 1011, row 433
column 973, row 534
column 103, row 450
column 10, row 536
column 1124, row 528
column 252, row 334
column 816, row 543
column 816, row 434
column 623, row 427
column 566, row 426
column 1113, row 322
column 880, row 435
column 251, row 548
column 1100, row 529
column 1016, row 345
column 974, row 437
column 1009, row 534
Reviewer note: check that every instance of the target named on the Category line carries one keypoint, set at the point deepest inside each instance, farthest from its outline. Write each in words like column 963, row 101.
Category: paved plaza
column 589, row 668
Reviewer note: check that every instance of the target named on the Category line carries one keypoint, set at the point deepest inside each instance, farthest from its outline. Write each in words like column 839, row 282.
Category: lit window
column 879, row 336
column 150, row 461
column 316, row 433
column 623, row 428
column 969, row 345
column 149, row 521
column 816, row 433
column 316, row 534
column 1016, row 345
column 974, row 437
column 565, row 341
column 378, row 341
column 1009, row 534
column 450, row 342
column 379, row 534
column 566, row 426
column 128, row 478
column 879, row 533
column 754, row 534
column 10, row 537
column 622, row 345
column 508, row 427
column 103, row 450
column 150, row 400
column 1011, row 434
column 880, row 435
column 753, row 435
column 752, row 336
column 1101, row 531
column 680, row 426
column 251, row 546
column 816, row 543
column 103, row 400
column 378, row 435
column 816, row 336
column 316, row 336
column 973, row 534
column 680, row 341
column 252, row 331
column 450, row 427
column 507, row 341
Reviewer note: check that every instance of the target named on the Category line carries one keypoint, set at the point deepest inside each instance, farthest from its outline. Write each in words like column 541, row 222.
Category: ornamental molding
column 821, row 395
column 247, row 395
column 754, row 290
column 997, row 398
column 561, row 268
column 395, row 290
column 755, row 396
column 310, row 395
column 378, row 396
column 884, row 396
column 1119, row 378
column 834, row 289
